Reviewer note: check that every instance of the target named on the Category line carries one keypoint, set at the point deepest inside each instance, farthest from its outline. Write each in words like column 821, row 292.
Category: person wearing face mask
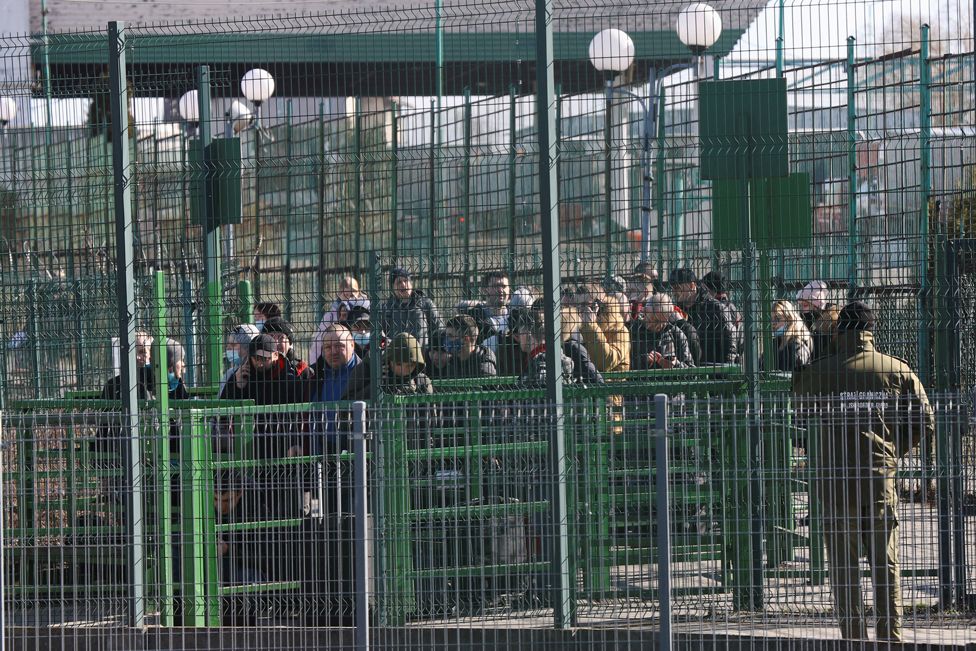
column 350, row 296
column 793, row 344
column 263, row 312
column 469, row 359
column 361, row 329
column 235, row 350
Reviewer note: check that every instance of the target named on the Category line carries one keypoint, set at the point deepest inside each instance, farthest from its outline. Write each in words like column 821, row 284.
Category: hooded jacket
column 417, row 316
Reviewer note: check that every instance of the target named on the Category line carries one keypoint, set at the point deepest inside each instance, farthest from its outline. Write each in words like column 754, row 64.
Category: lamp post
column 612, row 52
column 257, row 86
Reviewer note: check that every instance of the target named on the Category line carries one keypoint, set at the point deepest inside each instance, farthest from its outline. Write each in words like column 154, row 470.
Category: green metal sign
column 743, row 129
column 781, row 212
column 224, row 170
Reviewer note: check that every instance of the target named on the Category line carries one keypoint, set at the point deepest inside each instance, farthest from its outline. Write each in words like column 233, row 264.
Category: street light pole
column 612, row 52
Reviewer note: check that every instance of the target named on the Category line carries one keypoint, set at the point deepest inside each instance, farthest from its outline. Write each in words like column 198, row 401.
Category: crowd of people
column 615, row 325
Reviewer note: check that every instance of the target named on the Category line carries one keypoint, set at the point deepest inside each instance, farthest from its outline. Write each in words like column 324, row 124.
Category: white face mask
column 361, row 338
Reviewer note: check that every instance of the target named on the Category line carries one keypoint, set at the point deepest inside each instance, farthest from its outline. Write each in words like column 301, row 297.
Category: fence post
column 379, row 452
column 125, row 286
column 852, row 230
column 563, row 612
column 289, row 206
column 361, row 513
column 512, row 175
column 163, row 471
column 211, row 249
column 662, row 502
column 432, row 193
column 358, row 189
column 660, row 180
column 466, row 193
column 608, row 178
column 320, row 173
column 925, row 156
column 394, row 175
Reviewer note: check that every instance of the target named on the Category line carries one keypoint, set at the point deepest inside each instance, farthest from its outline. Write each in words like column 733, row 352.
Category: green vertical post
column 780, row 37
column 925, row 156
column 432, row 191
column 660, row 181
column 512, row 176
column 256, row 262
column 211, row 250
column 198, row 540
column 358, row 189
column 163, row 497
column 289, row 205
column 34, row 329
column 852, row 227
column 394, row 177
column 608, row 180
column 766, row 295
column 245, row 301
column 560, row 580
column 780, row 51
column 320, row 269
column 189, row 330
column 466, row 193
column 678, row 219
column 383, row 583
column 125, row 285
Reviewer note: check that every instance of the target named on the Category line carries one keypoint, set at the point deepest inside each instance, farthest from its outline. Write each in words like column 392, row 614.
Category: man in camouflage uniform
column 870, row 410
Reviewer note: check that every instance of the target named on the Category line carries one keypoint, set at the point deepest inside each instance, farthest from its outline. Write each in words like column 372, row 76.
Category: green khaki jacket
column 866, row 410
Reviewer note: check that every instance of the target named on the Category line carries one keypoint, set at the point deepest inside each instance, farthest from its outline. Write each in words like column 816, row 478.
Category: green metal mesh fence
column 381, row 170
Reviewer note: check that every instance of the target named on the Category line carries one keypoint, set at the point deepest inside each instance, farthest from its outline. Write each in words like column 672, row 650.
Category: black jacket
column 670, row 342
column 584, row 370
column 716, row 329
column 146, row 389
column 793, row 356
column 274, row 434
column 481, row 363
column 511, row 360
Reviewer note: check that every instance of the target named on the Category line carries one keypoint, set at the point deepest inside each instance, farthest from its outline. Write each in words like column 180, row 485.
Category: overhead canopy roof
column 349, row 64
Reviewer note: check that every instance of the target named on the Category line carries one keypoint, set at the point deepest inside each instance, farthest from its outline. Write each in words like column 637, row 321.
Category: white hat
column 815, row 293
column 521, row 297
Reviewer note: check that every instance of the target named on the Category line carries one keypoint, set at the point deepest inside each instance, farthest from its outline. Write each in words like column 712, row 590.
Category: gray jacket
column 417, row 316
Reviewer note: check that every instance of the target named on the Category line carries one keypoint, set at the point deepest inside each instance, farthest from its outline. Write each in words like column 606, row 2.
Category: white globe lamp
column 190, row 106
column 611, row 51
column 699, row 26
column 257, row 85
